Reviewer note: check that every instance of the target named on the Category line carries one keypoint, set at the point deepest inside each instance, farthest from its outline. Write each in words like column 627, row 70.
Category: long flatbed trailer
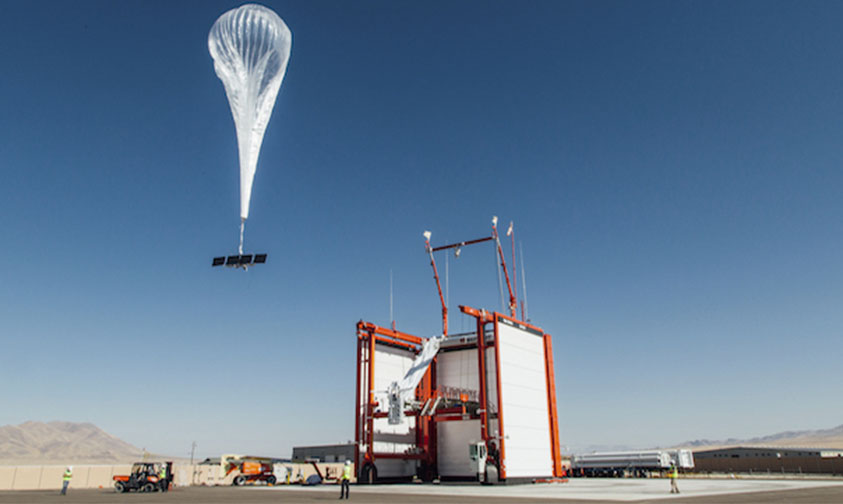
column 630, row 463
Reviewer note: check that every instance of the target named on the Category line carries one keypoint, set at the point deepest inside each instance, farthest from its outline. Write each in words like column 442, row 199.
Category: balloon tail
column 242, row 228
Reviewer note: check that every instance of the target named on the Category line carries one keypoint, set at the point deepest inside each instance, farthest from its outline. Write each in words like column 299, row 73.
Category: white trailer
column 684, row 459
column 633, row 463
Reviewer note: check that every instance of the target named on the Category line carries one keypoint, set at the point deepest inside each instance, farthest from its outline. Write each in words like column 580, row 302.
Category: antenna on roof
column 523, row 283
column 391, row 316
column 447, row 281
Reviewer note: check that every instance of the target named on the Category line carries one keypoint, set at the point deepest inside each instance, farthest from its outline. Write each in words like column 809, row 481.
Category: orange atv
column 144, row 477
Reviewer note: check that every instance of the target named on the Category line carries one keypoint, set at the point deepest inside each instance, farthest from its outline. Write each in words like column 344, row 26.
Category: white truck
column 630, row 463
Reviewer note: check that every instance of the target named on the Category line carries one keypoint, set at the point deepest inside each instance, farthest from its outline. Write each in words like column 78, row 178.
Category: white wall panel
column 456, row 371
column 453, row 440
column 391, row 364
column 526, row 421
column 492, row 392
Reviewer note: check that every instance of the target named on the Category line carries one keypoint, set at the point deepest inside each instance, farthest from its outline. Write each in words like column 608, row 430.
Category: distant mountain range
column 69, row 442
column 62, row 442
column 823, row 438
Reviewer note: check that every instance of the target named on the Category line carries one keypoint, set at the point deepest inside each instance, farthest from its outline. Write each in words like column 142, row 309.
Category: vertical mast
column 438, row 284
column 511, row 233
column 524, row 314
column 512, row 302
column 391, row 315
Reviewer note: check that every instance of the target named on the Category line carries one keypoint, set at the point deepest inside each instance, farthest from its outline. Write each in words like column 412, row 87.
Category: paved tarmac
column 590, row 491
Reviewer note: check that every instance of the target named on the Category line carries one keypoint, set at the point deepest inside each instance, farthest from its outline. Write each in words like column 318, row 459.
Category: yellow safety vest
column 67, row 476
column 346, row 472
column 674, row 473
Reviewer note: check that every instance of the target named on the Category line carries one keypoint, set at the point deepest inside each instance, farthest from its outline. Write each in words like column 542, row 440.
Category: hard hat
column 70, row 468
column 347, row 462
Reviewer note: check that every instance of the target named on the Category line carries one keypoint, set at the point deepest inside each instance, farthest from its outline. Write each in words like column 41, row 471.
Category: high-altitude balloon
column 250, row 46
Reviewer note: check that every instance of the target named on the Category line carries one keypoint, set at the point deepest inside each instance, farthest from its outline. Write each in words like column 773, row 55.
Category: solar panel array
column 239, row 260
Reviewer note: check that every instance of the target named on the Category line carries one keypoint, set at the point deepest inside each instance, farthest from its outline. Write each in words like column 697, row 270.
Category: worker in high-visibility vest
column 162, row 478
column 68, row 473
column 346, row 479
column 673, row 474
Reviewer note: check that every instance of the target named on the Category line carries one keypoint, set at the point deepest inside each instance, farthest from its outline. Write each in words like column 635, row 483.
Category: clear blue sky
column 673, row 170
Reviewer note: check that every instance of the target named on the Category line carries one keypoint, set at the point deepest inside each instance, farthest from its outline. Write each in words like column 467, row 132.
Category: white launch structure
column 430, row 404
column 477, row 405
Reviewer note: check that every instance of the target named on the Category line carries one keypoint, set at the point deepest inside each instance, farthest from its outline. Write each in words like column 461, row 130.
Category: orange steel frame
column 513, row 302
column 369, row 335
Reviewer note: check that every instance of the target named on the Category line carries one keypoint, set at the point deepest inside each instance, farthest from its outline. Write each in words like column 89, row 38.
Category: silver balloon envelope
column 250, row 46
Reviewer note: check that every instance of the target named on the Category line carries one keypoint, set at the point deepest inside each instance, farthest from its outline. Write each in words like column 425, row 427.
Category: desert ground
column 591, row 491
